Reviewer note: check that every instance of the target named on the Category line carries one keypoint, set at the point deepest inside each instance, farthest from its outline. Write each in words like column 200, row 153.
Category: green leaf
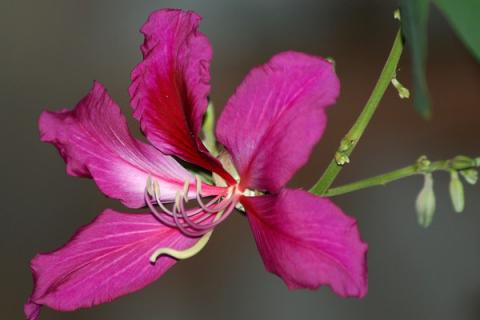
column 414, row 17
column 464, row 17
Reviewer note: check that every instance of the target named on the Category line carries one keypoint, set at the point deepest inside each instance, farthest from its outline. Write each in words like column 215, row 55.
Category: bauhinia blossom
column 267, row 131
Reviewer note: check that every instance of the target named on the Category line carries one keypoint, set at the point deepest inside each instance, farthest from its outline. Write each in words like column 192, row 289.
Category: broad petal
column 94, row 141
column 104, row 260
column 276, row 116
column 308, row 242
column 170, row 86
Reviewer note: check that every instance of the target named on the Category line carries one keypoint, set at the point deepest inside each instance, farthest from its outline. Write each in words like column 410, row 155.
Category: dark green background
column 51, row 51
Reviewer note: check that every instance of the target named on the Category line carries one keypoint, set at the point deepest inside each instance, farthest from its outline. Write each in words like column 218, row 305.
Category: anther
column 186, row 187
column 149, row 186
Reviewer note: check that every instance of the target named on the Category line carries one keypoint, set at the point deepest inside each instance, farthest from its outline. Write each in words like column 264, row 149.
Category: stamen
column 200, row 201
column 195, row 224
column 193, row 250
column 155, row 189
column 176, row 205
column 182, row 227
column 186, row 187
column 185, row 220
column 202, row 228
column 157, row 214
column 157, row 197
column 198, row 192
column 149, row 186
column 225, row 213
column 169, row 212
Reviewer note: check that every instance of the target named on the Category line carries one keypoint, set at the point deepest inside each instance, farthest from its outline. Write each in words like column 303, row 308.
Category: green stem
column 422, row 166
column 351, row 139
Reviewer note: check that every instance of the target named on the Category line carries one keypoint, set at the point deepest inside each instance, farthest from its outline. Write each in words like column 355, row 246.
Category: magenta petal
column 308, row 242
column 94, row 141
column 276, row 116
column 170, row 86
column 104, row 260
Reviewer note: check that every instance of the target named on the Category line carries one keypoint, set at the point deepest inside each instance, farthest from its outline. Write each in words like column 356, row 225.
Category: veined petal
column 276, row 116
column 94, row 141
column 170, row 86
column 106, row 259
column 308, row 242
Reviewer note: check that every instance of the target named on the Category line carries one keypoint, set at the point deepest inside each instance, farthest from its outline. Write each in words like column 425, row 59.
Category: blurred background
column 51, row 51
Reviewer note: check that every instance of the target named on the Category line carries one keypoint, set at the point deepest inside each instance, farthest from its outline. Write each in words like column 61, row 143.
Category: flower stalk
column 421, row 166
column 349, row 142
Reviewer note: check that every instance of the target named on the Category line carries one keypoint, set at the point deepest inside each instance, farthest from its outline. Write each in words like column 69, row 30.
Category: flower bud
column 332, row 62
column 425, row 204
column 462, row 162
column 396, row 14
column 423, row 164
column 403, row 92
column 456, row 192
column 341, row 159
column 470, row 175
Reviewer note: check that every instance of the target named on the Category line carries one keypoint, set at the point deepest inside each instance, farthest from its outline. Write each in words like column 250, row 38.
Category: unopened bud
column 341, row 159
column 425, row 204
column 403, row 92
column 456, row 192
column 332, row 62
column 396, row 14
column 470, row 175
column 462, row 162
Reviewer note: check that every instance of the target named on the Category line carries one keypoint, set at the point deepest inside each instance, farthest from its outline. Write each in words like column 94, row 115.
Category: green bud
column 403, row 92
column 456, row 192
column 425, row 204
column 332, row 62
column 462, row 162
column 470, row 175
column 345, row 144
column 341, row 156
column 396, row 14
column 423, row 164
column 341, row 159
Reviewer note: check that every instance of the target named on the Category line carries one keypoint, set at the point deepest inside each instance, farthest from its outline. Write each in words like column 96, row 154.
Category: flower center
column 196, row 222
column 191, row 222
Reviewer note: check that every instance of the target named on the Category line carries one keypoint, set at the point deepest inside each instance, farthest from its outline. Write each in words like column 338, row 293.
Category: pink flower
column 268, row 129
